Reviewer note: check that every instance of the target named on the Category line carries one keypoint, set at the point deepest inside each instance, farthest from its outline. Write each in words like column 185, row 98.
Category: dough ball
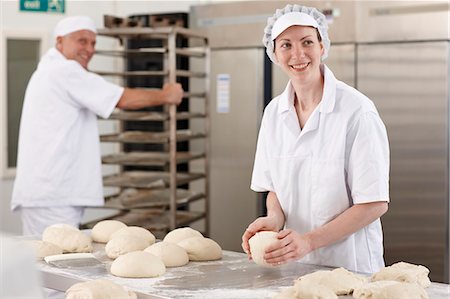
column 99, row 289
column 404, row 272
column 102, row 231
column 124, row 244
column 340, row 281
column 136, row 231
column 258, row 244
column 171, row 254
column 201, row 249
column 180, row 234
column 389, row 289
column 69, row 238
column 43, row 249
column 138, row 264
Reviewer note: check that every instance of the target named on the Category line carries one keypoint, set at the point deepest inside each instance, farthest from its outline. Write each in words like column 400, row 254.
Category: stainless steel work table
column 231, row 277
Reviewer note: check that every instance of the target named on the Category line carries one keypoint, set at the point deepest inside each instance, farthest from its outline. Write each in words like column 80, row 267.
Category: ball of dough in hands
column 138, row 264
column 102, row 231
column 258, row 244
column 135, row 231
column 179, row 234
column 123, row 244
column 69, row 238
column 201, row 249
column 404, row 272
column 171, row 254
column 99, row 289
column 43, row 249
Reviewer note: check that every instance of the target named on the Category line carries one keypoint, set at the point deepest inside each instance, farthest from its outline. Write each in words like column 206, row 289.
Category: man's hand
column 173, row 93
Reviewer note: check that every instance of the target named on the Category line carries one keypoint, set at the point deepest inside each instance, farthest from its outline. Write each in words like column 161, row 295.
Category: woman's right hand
column 260, row 224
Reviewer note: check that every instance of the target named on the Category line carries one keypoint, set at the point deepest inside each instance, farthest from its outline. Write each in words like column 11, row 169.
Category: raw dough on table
column 123, row 244
column 258, row 244
column 136, row 231
column 404, row 272
column 99, row 289
column 340, row 280
column 102, row 231
column 138, row 264
column 389, row 289
column 171, row 254
column 43, row 249
column 69, row 238
column 201, row 249
column 307, row 290
column 179, row 234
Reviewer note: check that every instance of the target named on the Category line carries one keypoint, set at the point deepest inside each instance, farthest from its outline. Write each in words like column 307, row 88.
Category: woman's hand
column 260, row 224
column 290, row 246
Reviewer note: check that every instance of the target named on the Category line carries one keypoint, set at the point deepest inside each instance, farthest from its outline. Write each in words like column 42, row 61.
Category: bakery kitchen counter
column 234, row 276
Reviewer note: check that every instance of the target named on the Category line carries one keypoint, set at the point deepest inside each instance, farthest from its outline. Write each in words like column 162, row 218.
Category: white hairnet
column 311, row 11
column 72, row 24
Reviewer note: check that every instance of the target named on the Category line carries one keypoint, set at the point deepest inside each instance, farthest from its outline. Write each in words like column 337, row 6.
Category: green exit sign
column 57, row 6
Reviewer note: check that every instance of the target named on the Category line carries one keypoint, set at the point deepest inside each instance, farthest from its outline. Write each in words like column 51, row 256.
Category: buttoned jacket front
column 339, row 158
column 59, row 161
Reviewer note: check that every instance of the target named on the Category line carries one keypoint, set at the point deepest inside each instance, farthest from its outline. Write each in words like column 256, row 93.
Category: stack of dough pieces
column 400, row 280
column 404, row 272
column 99, row 289
column 70, row 239
column 171, row 254
column 324, row 285
column 128, row 239
column 179, row 234
column 197, row 247
column 102, row 231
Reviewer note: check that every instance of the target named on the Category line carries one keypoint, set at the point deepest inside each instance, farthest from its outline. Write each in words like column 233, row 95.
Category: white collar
column 328, row 101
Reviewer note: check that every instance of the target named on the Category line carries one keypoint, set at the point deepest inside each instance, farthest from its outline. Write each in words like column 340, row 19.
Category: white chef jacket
column 59, row 161
column 340, row 158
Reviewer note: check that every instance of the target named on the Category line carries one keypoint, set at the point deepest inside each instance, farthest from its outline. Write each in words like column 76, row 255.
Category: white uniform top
column 59, row 161
column 340, row 158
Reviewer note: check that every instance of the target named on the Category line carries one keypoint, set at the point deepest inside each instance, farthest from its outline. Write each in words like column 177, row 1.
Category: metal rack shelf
column 148, row 179
column 149, row 158
column 131, row 198
column 178, row 73
column 152, row 116
column 150, row 137
column 141, row 191
column 189, row 52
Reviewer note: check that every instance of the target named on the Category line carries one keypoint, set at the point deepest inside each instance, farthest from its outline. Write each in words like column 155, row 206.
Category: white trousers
column 36, row 219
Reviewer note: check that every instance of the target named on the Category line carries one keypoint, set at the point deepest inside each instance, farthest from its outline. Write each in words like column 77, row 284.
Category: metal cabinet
column 408, row 83
column 157, row 196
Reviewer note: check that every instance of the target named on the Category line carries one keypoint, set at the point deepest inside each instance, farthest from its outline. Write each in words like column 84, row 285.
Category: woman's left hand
column 290, row 246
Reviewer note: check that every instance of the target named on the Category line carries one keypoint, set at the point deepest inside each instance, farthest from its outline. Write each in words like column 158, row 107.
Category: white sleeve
column 91, row 91
column 367, row 159
column 261, row 178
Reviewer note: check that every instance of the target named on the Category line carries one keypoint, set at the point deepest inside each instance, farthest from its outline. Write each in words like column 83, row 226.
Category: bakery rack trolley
column 152, row 199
